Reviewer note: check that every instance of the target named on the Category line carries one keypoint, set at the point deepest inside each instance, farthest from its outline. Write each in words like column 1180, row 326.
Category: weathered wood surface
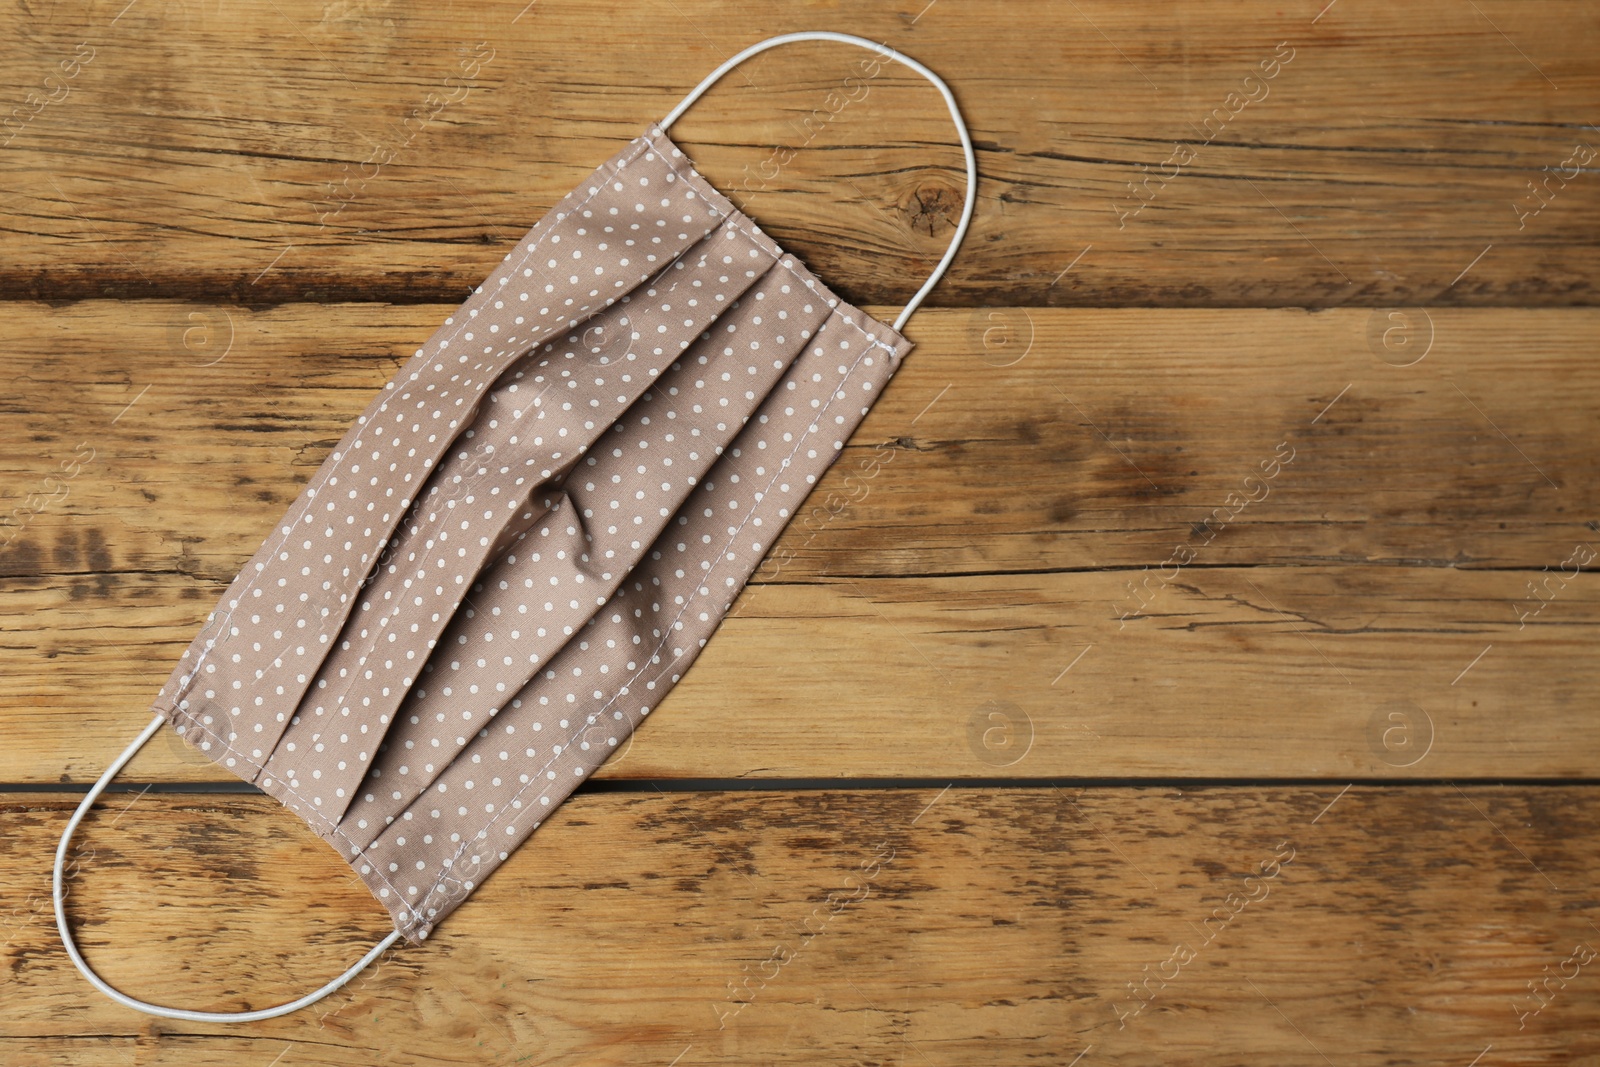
column 1068, row 541
column 1385, row 925
column 1303, row 672
column 988, row 526
column 1012, row 439
column 1253, row 154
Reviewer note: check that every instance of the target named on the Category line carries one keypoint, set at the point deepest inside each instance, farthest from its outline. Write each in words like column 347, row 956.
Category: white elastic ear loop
column 157, row 1009
column 883, row 50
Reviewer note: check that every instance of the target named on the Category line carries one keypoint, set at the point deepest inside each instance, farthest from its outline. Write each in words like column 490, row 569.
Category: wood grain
column 986, row 582
column 1383, row 925
column 1304, row 672
column 305, row 151
column 1013, row 439
column 1068, row 549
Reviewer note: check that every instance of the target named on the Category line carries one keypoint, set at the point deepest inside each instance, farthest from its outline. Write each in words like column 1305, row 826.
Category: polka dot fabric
column 527, row 537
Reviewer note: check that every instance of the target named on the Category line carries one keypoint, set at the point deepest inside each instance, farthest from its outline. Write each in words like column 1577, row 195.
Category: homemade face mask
column 525, row 540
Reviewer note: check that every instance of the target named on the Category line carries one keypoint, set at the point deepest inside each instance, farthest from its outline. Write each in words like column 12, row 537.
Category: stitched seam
column 667, row 636
column 739, row 219
column 872, row 341
column 332, row 828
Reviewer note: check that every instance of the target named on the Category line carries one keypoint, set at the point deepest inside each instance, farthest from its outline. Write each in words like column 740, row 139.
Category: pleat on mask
column 556, row 574
column 524, row 592
column 423, row 849
column 248, row 671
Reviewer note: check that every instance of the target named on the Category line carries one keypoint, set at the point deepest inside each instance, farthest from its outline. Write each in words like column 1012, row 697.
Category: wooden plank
column 1007, row 596
column 1322, row 672
column 1256, row 925
column 1012, row 439
column 1265, row 155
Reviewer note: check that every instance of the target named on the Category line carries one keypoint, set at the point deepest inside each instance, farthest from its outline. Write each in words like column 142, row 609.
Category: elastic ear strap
column 157, row 1009
column 883, row 50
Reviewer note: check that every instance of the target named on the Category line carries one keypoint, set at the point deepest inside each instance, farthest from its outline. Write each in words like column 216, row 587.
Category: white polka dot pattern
column 528, row 536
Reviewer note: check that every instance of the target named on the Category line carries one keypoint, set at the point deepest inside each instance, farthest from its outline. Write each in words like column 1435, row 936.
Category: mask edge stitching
column 695, row 178
column 287, row 788
column 736, row 220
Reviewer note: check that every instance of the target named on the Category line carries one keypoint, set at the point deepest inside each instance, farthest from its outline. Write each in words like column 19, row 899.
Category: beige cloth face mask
column 525, row 540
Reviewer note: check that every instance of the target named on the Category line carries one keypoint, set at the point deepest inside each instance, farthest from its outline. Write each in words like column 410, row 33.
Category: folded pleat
column 539, row 420
column 590, row 532
column 630, row 654
column 238, row 684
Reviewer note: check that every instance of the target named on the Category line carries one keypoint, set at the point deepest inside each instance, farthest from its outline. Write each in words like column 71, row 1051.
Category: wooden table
column 1196, row 641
